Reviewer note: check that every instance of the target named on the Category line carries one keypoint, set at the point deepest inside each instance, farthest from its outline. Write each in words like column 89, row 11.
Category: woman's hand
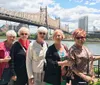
column 31, row 81
column 14, row 78
column 83, row 76
column 70, row 83
column 6, row 59
column 65, row 63
column 1, row 60
column 88, row 78
column 60, row 63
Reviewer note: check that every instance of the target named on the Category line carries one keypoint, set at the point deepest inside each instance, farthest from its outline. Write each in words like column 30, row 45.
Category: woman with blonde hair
column 18, row 57
column 55, row 56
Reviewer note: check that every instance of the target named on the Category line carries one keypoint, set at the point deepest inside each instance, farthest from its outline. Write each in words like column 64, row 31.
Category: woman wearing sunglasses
column 36, row 58
column 82, row 59
column 18, row 57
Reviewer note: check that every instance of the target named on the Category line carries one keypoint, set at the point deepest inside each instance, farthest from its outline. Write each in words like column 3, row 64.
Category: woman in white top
column 36, row 58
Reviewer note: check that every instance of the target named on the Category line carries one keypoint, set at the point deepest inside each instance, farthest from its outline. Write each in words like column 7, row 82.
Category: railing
column 97, row 69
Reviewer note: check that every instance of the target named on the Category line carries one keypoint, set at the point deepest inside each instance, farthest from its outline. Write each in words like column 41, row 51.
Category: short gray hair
column 42, row 29
column 23, row 29
column 11, row 33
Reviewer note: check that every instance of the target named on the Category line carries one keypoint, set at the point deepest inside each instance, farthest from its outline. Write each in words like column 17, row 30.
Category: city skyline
column 69, row 11
column 83, row 23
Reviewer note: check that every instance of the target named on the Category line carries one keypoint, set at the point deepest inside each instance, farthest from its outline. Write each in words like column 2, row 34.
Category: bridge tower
column 44, row 18
column 59, row 24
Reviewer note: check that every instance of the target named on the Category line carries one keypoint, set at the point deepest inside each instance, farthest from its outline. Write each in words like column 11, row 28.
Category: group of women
column 36, row 63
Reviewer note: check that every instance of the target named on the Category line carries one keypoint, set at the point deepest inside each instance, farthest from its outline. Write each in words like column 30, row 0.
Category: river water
column 94, row 47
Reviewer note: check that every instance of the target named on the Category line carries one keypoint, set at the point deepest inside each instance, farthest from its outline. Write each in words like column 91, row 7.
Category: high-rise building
column 83, row 23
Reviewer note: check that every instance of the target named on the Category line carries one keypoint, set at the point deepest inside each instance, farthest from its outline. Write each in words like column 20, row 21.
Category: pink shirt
column 7, row 51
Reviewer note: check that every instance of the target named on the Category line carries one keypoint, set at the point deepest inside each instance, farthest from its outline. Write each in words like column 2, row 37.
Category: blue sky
column 69, row 11
column 74, row 3
column 67, row 4
column 74, row 9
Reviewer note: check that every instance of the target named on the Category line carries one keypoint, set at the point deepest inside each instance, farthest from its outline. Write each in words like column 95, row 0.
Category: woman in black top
column 55, row 56
column 18, row 58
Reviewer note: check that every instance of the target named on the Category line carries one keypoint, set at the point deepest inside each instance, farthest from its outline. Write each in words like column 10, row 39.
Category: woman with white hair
column 18, row 57
column 36, row 58
column 5, row 58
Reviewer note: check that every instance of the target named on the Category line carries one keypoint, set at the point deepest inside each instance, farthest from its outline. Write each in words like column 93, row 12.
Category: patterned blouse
column 82, row 59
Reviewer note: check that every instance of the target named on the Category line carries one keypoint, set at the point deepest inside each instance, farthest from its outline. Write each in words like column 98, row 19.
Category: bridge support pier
column 47, row 37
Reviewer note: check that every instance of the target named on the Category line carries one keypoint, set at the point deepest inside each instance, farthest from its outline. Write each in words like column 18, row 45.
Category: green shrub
column 97, row 83
column 96, row 71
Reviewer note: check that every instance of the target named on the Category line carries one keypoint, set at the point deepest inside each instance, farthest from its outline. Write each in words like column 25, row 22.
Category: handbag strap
column 87, row 61
column 22, row 47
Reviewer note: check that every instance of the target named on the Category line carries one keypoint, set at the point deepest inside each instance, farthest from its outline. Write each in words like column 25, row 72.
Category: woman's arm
column 11, row 63
column 65, row 63
column 50, row 58
column 5, row 60
column 83, row 76
column 96, row 57
column 1, row 60
column 29, row 62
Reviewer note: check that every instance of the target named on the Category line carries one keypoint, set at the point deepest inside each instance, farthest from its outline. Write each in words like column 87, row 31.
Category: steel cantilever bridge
column 37, row 19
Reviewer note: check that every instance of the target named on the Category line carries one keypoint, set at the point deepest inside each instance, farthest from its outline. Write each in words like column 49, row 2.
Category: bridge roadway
column 8, row 17
column 18, row 19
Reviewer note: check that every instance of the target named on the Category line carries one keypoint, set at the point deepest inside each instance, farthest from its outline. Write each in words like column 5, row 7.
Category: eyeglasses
column 24, row 34
column 80, row 38
column 42, row 33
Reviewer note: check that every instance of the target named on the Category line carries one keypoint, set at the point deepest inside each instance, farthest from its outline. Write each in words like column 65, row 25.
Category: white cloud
column 96, row 23
column 69, row 16
column 47, row 2
column 78, row 0
column 72, row 15
column 93, row 3
column 97, row 1
column 25, row 5
column 88, row 2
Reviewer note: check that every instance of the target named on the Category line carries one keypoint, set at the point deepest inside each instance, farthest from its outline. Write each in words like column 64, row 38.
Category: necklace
column 62, row 55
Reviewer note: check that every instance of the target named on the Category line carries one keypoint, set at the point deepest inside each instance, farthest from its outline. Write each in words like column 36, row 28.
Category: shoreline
column 87, row 40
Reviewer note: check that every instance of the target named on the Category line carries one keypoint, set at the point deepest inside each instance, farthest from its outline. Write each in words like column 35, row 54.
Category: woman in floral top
column 82, row 59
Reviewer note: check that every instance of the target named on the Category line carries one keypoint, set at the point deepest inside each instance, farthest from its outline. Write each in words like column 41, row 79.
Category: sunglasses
column 58, row 35
column 41, row 33
column 80, row 38
column 24, row 34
